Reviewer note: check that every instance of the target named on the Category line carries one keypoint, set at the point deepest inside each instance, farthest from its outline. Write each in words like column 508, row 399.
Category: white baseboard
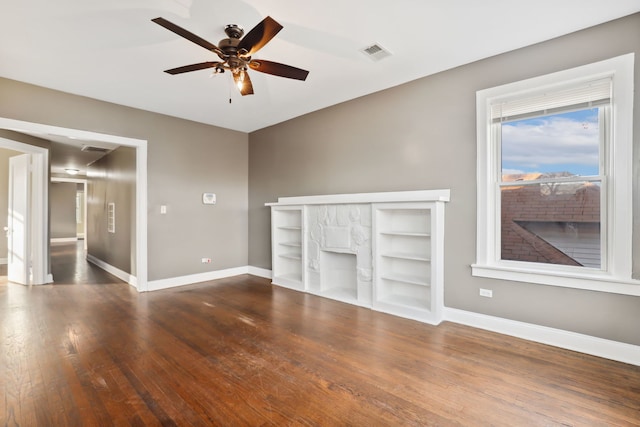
column 156, row 285
column 260, row 272
column 122, row 275
column 64, row 239
column 587, row 344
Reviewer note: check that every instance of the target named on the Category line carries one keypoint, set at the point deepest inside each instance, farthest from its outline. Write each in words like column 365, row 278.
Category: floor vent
column 376, row 52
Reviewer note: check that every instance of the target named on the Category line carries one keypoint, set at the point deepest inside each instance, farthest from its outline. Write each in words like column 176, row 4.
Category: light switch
column 163, row 209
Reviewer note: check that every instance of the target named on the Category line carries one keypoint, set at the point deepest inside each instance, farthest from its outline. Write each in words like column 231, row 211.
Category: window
column 555, row 179
column 550, row 181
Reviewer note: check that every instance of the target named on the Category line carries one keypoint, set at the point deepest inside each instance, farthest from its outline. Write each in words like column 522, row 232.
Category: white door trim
column 19, row 220
column 39, row 224
column 141, row 180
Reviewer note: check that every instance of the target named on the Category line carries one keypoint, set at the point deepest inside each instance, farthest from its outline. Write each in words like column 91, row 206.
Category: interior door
column 18, row 221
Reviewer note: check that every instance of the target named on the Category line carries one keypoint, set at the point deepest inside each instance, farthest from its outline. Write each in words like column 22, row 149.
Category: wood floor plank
column 90, row 350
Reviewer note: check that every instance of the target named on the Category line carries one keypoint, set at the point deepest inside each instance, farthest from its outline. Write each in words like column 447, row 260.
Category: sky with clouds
column 567, row 142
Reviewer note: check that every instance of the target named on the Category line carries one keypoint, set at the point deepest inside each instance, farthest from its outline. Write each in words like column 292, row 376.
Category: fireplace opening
column 338, row 274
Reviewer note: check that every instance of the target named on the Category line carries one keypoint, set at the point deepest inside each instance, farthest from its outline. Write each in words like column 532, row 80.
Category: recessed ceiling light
column 72, row 171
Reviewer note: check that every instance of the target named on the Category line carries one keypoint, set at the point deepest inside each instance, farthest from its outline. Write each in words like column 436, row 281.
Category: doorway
column 32, row 251
column 41, row 235
column 80, row 205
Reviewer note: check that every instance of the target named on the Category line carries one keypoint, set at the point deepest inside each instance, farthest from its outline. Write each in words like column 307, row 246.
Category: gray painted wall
column 62, row 200
column 4, row 195
column 422, row 135
column 185, row 159
column 112, row 179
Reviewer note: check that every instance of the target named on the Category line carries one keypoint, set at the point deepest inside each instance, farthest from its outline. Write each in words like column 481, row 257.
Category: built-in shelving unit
column 407, row 260
column 377, row 250
column 287, row 235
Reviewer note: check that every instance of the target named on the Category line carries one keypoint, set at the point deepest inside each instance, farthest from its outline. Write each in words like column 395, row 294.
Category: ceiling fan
column 235, row 53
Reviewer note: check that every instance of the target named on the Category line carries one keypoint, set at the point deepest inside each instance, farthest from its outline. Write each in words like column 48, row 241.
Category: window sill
column 593, row 281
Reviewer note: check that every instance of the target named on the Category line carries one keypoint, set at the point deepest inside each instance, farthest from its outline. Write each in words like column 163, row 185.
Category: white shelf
column 287, row 227
column 407, row 301
column 386, row 197
column 406, row 278
column 291, row 256
column 407, row 255
column 408, row 260
column 291, row 281
column 292, row 277
column 405, row 233
column 292, row 244
column 341, row 294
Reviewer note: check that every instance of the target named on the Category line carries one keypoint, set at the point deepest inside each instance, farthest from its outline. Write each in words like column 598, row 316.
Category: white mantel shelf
column 383, row 251
column 386, row 197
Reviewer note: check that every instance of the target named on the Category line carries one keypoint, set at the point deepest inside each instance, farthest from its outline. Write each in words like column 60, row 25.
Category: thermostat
column 209, row 198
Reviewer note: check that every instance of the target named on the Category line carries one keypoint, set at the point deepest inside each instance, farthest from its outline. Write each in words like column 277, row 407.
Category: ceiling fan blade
column 186, row 34
column 259, row 36
column 243, row 83
column 192, row 67
column 278, row 69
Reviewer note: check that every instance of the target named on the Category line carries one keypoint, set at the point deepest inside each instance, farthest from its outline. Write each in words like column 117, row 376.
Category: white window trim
column 616, row 275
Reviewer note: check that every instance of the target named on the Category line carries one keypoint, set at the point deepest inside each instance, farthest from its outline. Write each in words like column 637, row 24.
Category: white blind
column 585, row 95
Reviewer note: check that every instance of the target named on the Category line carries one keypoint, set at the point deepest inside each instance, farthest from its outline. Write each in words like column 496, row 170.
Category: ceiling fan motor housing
column 234, row 31
column 229, row 46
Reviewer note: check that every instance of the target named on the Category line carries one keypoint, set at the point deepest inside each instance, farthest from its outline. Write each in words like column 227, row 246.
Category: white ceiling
column 110, row 50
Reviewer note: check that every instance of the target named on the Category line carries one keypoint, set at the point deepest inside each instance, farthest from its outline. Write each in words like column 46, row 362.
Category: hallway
column 69, row 266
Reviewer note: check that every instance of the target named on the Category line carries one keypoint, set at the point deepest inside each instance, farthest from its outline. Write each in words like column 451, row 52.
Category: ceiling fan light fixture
column 241, row 76
column 216, row 71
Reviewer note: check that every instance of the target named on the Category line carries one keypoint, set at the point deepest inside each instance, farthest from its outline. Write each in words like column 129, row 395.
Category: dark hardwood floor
column 91, row 351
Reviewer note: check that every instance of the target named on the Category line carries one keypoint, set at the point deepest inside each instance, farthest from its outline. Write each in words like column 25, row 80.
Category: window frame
column 616, row 257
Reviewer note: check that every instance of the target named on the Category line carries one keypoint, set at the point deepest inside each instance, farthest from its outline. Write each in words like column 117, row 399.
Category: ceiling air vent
column 376, row 52
column 92, row 149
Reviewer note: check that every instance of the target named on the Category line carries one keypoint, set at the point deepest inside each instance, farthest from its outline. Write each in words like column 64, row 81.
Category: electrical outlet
column 486, row 293
column 206, row 260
